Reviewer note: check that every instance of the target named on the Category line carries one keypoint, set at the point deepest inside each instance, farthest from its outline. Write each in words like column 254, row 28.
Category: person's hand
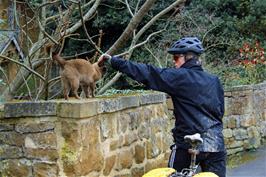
column 104, row 58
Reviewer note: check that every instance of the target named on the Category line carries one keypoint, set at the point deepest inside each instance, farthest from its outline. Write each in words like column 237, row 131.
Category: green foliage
column 224, row 26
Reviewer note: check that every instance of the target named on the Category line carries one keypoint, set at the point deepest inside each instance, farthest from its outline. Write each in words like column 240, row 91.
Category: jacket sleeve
column 161, row 79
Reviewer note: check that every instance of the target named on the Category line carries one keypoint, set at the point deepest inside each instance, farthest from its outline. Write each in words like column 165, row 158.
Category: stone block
column 130, row 138
column 227, row 104
column 137, row 171
column 125, row 159
column 228, row 133
column 235, row 144
column 41, row 140
column 240, row 88
column 41, row 169
column 90, row 133
column 129, row 101
column 157, row 125
column 158, row 162
column 123, row 122
column 114, row 144
column 42, row 154
column 123, row 174
column 144, row 131
column 134, row 120
column 30, row 109
column 169, row 103
column 235, row 150
column 247, row 120
column 262, row 129
column 230, row 121
column 108, row 126
column 70, row 131
column 139, row 153
column 34, row 127
column 241, row 105
column 6, row 126
column 10, row 152
column 146, row 113
column 15, row 167
column 12, row 138
column 81, row 154
column 152, row 98
column 253, row 133
column 153, row 148
column 240, row 134
column 90, row 159
column 227, row 93
column 110, row 162
column 78, row 109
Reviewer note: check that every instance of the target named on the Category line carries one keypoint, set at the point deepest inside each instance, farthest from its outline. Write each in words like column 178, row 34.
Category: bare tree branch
column 157, row 59
column 87, row 16
column 26, row 67
column 140, row 44
column 86, row 32
column 129, row 9
column 131, row 26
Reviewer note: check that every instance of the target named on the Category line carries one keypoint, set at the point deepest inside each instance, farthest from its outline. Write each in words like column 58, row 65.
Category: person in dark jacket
column 198, row 100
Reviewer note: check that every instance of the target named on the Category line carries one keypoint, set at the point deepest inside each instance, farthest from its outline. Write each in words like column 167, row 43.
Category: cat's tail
column 54, row 49
column 59, row 60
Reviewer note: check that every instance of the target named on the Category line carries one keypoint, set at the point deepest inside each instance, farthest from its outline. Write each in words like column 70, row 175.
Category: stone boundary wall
column 244, row 119
column 115, row 137
column 123, row 136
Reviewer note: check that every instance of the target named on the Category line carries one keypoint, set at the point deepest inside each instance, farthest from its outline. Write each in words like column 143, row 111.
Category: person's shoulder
column 174, row 70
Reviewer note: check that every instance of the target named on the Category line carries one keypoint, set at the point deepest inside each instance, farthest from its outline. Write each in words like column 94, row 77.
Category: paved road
column 254, row 168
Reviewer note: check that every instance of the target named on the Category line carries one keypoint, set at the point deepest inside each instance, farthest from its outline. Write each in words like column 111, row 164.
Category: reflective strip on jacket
column 197, row 96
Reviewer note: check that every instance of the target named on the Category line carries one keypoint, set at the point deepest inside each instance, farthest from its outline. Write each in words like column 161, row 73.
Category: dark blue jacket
column 197, row 96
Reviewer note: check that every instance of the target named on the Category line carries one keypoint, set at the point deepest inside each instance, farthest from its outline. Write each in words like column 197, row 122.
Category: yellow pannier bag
column 205, row 174
column 160, row 172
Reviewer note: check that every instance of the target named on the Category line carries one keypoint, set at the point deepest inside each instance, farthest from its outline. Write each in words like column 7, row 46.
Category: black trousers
column 209, row 161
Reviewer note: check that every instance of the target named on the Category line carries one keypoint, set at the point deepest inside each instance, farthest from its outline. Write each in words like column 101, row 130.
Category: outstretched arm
column 155, row 78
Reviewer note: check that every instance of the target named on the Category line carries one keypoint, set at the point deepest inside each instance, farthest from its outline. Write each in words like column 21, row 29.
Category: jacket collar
column 192, row 64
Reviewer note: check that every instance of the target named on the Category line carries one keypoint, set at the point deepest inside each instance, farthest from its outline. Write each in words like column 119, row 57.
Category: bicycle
column 194, row 140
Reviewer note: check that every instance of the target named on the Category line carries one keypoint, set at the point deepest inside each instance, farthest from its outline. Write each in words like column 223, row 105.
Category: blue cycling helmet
column 186, row 44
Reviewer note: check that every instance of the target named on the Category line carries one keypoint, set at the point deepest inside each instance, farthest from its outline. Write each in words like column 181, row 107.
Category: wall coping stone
column 83, row 108
column 246, row 87
column 30, row 108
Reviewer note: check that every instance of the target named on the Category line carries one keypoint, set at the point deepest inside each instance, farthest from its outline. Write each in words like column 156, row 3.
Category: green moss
column 68, row 155
column 4, row 172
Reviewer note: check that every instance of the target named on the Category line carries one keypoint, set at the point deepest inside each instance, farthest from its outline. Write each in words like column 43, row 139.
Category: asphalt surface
column 252, row 168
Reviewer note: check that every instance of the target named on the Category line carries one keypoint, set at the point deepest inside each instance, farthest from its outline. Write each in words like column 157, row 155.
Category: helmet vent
column 189, row 42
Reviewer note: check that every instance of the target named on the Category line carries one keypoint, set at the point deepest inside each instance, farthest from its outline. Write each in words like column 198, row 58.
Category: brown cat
column 79, row 72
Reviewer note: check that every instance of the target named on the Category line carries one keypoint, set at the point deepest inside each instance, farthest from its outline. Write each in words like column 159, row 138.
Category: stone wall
column 245, row 117
column 124, row 136
column 115, row 137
